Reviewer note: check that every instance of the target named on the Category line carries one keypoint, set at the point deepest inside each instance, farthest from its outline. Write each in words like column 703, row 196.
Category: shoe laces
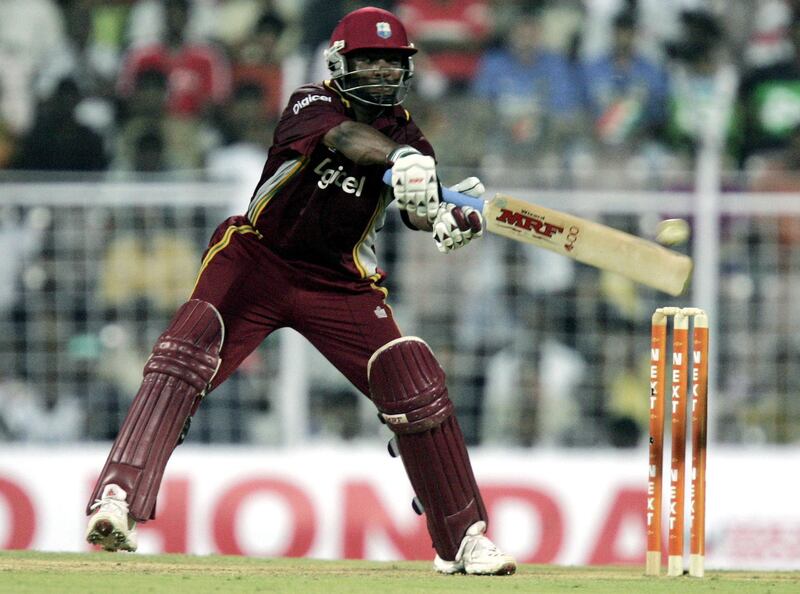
column 110, row 504
column 480, row 545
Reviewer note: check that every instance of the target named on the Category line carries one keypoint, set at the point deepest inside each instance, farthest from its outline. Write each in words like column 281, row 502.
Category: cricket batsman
column 303, row 257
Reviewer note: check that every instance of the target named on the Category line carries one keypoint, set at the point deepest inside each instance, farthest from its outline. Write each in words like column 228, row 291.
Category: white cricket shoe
column 111, row 526
column 477, row 555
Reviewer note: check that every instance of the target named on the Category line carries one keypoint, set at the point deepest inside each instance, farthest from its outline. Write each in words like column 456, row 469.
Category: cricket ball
column 673, row 232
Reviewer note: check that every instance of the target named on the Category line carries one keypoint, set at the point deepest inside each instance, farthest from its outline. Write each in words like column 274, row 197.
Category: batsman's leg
column 176, row 377
column 407, row 385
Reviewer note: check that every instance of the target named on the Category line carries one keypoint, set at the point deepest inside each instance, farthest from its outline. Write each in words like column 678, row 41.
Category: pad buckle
column 400, row 419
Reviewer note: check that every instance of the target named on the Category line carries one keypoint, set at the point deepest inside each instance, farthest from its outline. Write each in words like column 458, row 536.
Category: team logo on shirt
column 384, row 30
column 339, row 177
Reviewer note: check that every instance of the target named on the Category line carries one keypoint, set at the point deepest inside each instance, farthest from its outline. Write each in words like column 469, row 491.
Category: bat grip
column 448, row 195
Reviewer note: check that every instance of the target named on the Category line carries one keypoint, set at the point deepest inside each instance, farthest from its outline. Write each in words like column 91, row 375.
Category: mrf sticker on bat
column 520, row 221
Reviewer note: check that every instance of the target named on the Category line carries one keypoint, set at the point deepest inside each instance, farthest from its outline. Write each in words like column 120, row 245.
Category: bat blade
column 589, row 242
column 582, row 240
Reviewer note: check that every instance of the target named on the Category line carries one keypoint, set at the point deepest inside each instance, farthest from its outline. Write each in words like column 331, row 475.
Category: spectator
column 534, row 93
column 257, row 60
column 451, row 33
column 57, row 141
column 562, row 25
column 247, row 133
column 34, row 405
column 658, row 22
column 245, row 121
column 91, row 63
column 30, row 30
column 237, row 21
column 27, row 415
column 703, row 85
column 185, row 141
column 770, row 102
column 22, row 234
column 147, row 264
column 89, row 58
column 147, row 21
column 626, row 92
column 198, row 73
column 779, row 171
column 461, row 140
column 767, row 41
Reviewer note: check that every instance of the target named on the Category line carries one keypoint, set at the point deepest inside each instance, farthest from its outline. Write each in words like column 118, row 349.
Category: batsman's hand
column 414, row 182
column 456, row 226
column 470, row 186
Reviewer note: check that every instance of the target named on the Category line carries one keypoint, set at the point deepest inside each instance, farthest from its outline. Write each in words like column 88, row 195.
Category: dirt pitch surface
column 66, row 573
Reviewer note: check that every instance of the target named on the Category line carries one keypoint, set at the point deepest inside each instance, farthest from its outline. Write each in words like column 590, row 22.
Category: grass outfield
column 64, row 573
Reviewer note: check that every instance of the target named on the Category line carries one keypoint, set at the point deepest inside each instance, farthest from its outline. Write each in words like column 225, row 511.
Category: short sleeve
column 310, row 113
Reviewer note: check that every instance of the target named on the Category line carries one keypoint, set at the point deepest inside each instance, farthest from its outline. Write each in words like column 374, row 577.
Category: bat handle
column 448, row 195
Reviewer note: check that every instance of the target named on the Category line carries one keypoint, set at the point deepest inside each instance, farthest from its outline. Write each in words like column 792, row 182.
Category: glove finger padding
column 414, row 182
column 459, row 219
column 455, row 227
column 475, row 220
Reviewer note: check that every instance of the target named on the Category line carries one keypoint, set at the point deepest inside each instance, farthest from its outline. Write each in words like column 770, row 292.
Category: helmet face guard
column 371, row 31
column 382, row 86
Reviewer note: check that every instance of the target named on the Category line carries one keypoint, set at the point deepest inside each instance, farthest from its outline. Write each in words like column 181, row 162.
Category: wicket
column 699, row 419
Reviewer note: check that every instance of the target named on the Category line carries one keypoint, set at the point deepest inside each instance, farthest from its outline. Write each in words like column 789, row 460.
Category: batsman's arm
column 360, row 143
column 364, row 145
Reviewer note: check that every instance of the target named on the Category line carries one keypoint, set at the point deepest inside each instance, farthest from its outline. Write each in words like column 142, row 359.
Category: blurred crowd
column 528, row 93
column 193, row 88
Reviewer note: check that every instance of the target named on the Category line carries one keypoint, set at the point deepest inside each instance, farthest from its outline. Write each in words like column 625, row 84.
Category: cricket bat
column 583, row 240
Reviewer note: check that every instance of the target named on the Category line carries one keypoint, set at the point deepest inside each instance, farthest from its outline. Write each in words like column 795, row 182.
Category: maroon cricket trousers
column 256, row 292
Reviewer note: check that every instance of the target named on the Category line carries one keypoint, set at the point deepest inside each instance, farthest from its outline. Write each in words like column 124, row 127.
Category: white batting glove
column 455, row 226
column 470, row 186
column 414, row 182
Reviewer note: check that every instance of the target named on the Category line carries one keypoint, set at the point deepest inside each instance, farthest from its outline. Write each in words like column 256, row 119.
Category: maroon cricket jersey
column 313, row 206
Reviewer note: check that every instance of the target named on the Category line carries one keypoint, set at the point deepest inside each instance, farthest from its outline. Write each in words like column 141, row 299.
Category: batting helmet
column 367, row 29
